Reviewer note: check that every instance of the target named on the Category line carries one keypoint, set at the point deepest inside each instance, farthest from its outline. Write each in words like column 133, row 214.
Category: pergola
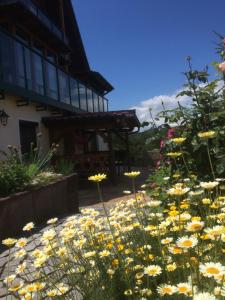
column 84, row 127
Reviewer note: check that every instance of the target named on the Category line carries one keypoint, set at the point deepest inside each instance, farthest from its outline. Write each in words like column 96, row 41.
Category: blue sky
column 140, row 46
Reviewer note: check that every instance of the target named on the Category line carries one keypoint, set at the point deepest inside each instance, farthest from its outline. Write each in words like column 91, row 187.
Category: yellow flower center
column 187, row 243
column 212, row 270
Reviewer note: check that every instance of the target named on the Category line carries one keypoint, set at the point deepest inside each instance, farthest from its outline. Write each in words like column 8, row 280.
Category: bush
column 14, row 177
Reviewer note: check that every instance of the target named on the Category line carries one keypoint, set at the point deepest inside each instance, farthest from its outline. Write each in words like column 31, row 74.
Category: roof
column 120, row 119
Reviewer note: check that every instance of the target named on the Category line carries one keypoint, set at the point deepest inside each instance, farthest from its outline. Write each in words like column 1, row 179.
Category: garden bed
column 38, row 205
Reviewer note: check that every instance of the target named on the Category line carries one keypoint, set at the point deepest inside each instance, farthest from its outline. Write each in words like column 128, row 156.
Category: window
column 95, row 100
column 100, row 102
column 105, row 104
column 89, row 100
column 51, row 81
column 28, row 68
column 64, row 88
column 74, row 92
column 7, row 61
column 38, row 82
column 82, row 92
column 20, row 64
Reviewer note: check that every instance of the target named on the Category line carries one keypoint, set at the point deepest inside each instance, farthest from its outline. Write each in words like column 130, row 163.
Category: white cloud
column 170, row 101
column 155, row 104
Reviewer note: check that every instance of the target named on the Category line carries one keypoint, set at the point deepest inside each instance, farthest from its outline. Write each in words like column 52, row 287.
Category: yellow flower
column 152, row 270
column 206, row 134
column 194, row 226
column 177, row 191
column 21, row 243
column 187, row 242
column 171, row 267
column 128, row 292
column 52, row 221
column 212, row 269
column 174, row 154
column 206, row 201
column 104, row 253
column 97, row 178
column 132, row 174
column 178, row 140
column 184, row 288
column 9, row 242
column 166, row 289
column 209, row 185
column 28, row 226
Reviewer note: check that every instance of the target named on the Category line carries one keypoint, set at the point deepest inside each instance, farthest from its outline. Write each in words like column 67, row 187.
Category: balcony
column 27, row 74
column 30, row 13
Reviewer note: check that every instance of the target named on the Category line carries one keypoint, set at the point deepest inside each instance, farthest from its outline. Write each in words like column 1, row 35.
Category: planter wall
column 55, row 199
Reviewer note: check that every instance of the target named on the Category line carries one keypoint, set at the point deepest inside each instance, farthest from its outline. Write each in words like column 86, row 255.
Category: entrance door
column 27, row 136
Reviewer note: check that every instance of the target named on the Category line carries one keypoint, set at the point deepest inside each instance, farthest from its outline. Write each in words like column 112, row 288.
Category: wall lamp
column 3, row 117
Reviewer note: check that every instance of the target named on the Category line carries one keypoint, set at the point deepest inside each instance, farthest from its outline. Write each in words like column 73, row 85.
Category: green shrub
column 64, row 167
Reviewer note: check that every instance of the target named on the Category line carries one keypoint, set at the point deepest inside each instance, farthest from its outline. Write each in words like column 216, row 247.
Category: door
column 27, row 136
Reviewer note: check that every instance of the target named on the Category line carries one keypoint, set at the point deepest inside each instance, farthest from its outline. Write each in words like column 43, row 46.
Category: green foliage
column 20, row 173
column 14, row 176
column 206, row 113
column 64, row 167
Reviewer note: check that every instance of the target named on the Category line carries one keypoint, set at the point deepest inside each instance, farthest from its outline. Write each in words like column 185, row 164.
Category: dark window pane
column 27, row 56
column 95, row 99
column 83, row 102
column 38, row 81
column 20, row 64
column 74, row 93
column 51, row 81
column 89, row 100
column 100, row 101
column 64, row 88
column 7, row 61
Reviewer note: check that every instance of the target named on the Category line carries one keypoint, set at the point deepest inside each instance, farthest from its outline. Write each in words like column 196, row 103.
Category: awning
column 121, row 119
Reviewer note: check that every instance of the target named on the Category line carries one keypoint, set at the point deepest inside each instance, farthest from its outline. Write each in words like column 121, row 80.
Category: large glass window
column 64, row 88
column 74, row 92
column 7, row 62
column 100, row 102
column 89, row 100
column 82, row 92
column 105, row 104
column 38, row 82
column 51, row 81
column 95, row 100
column 28, row 69
column 20, row 64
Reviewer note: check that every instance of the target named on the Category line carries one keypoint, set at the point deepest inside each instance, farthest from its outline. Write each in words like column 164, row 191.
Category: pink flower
column 222, row 66
column 170, row 133
column 224, row 40
column 162, row 144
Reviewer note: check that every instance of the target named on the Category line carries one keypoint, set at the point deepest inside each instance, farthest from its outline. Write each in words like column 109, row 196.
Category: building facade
column 44, row 73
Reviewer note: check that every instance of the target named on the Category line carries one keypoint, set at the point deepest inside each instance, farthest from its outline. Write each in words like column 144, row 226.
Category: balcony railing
column 35, row 10
column 23, row 67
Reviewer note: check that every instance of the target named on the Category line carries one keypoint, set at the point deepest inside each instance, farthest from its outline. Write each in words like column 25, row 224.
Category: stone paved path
column 87, row 197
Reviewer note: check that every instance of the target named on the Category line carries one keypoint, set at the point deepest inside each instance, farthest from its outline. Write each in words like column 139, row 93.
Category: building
column 47, row 86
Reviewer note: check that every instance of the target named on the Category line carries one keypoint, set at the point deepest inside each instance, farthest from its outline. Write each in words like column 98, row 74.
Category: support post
column 112, row 166
column 128, row 152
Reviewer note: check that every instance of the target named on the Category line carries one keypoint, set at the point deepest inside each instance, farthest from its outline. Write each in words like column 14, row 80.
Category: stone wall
column 55, row 199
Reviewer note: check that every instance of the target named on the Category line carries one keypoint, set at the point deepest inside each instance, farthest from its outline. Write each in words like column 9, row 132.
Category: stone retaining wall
column 55, row 199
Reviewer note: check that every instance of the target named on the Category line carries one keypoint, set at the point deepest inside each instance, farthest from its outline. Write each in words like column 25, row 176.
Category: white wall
column 9, row 134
